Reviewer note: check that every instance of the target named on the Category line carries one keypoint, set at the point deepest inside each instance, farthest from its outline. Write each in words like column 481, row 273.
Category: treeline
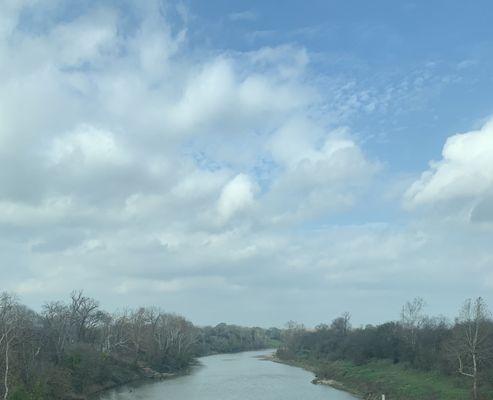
column 71, row 349
column 433, row 344
column 231, row 339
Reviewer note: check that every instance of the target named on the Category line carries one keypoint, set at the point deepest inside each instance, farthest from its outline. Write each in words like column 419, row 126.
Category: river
column 241, row 376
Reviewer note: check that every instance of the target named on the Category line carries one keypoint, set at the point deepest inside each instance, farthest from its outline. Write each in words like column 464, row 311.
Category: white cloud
column 217, row 94
column 236, row 196
column 88, row 146
column 88, row 39
column 53, row 210
column 174, row 285
column 321, row 172
column 464, row 174
column 143, row 170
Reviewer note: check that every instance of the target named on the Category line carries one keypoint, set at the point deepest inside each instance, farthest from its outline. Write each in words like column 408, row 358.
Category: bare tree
column 85, row 315
column 57, row 320
column 8, row 319
column 412, row 319
column 342, row 325
column 291, row 335
column 138, row 320
column 33, row 346
column 470, row 345
column 118, row 336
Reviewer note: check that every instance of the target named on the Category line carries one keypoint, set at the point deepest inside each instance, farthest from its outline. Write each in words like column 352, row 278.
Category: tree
column 291, row 339
column 85, row 315
column 57, row 322
column 341, row 325
column 411, row 319
column 8, row 319
column 70, row 347
column 471, row 343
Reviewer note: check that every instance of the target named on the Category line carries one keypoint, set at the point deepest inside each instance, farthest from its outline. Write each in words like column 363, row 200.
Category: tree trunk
column 6, row 378
column 474, row 378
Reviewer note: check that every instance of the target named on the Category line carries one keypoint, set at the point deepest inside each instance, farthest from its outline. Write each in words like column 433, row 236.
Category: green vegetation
column 397, row 381
column 231, row 339
column 71, row 350
column 417, row 358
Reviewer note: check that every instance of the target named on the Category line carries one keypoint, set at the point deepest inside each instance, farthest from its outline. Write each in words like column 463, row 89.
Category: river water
column 241, row 376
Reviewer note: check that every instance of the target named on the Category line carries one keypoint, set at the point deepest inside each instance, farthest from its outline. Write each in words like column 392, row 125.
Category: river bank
column 123, row 376
column 233, row 376
column 317, row 380
column 371, row 380
column 139, row 374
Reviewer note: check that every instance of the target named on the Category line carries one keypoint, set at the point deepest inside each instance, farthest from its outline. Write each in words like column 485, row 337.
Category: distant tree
column 322, row 327
column 57, row 323
column 342, row 325
column 429, row 352
column 70, row 348
column 85, row 315
column 471, row 344
column 412, row 319
column 291, row 337
column 9, row 317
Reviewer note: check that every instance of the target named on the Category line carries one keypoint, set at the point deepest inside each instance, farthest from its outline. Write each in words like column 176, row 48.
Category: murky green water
column 234, row 377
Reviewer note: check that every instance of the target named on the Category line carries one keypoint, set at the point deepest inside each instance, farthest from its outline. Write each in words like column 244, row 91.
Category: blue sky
column 290, row 160
column 437, row 53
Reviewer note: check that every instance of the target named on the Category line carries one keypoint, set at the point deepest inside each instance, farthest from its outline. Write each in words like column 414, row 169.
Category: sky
column 248, row 162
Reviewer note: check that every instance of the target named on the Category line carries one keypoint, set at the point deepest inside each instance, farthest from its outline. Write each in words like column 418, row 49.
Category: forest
column 449, row 360
column 73, row 349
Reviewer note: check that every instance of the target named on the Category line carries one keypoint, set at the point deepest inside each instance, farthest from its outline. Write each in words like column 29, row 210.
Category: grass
column 274, row 344
column 397, row 381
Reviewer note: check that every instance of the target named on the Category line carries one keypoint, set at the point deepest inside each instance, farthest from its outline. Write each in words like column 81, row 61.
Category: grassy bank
column 397, row 381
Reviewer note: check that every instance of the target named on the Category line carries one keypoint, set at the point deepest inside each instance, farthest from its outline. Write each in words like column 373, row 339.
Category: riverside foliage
column 73, row 349
column 417, row 357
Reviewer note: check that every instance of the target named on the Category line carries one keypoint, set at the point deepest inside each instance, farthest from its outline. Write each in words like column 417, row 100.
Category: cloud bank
column 144, row 170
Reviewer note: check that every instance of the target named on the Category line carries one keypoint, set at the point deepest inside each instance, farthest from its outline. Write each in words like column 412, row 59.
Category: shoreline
column 370, row 380
column 316, row 381
column 154, row 376
column 146, row 375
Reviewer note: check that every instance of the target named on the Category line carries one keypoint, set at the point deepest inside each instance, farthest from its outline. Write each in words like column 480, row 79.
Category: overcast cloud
column 232, row 184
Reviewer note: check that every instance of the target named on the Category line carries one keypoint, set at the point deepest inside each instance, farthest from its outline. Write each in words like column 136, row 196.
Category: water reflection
column 240, row 376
